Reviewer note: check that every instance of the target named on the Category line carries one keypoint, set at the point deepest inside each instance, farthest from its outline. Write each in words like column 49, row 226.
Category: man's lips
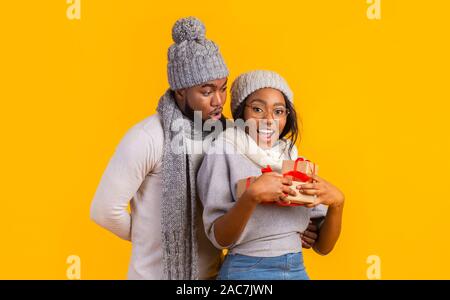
column 216, row 114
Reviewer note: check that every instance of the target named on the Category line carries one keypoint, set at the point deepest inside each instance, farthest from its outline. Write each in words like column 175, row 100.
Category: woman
column 263, row 240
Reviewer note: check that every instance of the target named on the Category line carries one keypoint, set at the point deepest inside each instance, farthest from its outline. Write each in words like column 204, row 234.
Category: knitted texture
column 193, row 59
column 250, row 82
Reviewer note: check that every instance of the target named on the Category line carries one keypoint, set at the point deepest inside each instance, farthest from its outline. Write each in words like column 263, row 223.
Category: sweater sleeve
column 215, row 195
column 133, row 159
column 319, row 211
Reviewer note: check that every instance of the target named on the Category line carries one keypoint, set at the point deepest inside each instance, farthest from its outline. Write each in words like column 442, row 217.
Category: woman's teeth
column 266, row 132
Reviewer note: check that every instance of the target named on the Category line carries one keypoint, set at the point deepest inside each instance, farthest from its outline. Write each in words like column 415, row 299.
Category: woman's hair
column 290, row 131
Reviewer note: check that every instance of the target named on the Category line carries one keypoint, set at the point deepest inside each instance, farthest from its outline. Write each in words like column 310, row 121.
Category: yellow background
column 373, row 95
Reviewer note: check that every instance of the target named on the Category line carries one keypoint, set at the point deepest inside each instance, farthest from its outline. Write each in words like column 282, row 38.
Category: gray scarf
column 179, row 207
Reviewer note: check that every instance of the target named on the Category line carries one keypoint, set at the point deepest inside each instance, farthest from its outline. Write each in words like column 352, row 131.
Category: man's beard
column 188, row 110
column 213, row 125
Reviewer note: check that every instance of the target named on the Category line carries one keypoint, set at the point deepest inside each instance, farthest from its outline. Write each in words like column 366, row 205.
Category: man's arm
column 133, row 159
column 311, row 234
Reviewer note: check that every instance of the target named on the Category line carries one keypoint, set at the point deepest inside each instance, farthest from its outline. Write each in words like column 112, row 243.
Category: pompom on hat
column 188, row 29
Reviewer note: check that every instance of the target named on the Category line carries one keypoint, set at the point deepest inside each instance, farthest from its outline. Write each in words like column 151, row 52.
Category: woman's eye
column 257, row 109
column 279, row 112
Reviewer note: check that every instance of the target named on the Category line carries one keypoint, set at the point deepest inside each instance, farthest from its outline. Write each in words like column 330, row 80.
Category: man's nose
column 218, row 99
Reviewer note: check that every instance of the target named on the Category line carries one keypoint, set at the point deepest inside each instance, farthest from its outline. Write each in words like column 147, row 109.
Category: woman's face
column 266, row 112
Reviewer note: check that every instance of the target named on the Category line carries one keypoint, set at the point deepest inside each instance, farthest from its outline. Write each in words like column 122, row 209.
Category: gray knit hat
column 250, row 82
column 193, row 59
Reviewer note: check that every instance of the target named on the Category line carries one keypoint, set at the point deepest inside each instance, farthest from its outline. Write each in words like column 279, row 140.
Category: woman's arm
column 269, row 187
column 330, row 195
column 330, row 230
column 229, row 227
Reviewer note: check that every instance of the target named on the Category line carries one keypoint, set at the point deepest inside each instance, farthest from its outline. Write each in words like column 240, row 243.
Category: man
column 165, row 224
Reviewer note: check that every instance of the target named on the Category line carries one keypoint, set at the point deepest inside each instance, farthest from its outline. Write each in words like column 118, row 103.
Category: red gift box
column 300, row 170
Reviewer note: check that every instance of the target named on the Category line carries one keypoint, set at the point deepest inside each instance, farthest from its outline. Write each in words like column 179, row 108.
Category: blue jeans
column 241, row 267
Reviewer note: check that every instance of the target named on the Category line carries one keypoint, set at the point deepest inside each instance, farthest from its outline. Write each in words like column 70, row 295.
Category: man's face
column 208, row 98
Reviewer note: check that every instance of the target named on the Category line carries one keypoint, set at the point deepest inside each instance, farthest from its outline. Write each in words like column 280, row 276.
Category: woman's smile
column 266, row 135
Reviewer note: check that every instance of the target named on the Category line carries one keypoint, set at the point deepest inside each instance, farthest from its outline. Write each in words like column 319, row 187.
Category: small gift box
column 300, row 170
column 300, row 165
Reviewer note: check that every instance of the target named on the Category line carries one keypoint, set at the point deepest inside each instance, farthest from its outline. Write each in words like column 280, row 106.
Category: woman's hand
column 270, row 187
column 325, row 192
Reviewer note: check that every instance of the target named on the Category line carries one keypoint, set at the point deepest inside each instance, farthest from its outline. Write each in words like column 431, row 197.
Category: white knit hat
column 250, row 82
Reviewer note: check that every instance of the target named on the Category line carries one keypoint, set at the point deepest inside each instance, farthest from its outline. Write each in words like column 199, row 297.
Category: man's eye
column 206, row 94
column 224, row 89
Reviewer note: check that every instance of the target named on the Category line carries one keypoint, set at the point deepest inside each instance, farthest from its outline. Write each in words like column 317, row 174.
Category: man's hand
column 309, row 236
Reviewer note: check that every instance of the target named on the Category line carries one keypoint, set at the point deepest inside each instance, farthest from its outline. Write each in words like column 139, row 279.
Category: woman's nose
column 269, row 121
column 269, row 117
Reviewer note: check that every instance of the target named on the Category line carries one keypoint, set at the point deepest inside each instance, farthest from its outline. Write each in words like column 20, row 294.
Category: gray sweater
column 272, row 230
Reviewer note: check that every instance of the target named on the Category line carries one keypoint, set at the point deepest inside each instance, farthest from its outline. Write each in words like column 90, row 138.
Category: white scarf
column 246, row 145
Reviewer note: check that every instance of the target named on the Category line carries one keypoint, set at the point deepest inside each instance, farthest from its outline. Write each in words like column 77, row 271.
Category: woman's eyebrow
column 265, row 103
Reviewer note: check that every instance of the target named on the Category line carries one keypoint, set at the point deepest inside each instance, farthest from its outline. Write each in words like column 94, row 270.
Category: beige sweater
column 134, row 174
